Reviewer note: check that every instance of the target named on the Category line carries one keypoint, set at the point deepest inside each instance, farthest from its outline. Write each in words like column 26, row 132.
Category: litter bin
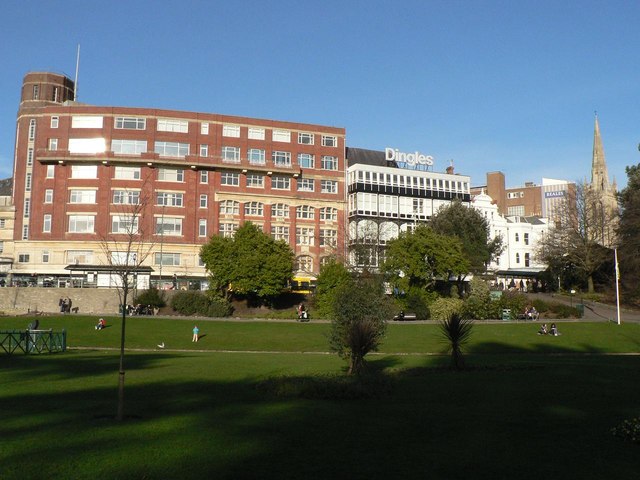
column 506, row 314
column 580, row 308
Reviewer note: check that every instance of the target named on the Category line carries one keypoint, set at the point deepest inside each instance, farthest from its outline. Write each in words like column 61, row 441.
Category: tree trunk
column 590, row 287
column 355, row 364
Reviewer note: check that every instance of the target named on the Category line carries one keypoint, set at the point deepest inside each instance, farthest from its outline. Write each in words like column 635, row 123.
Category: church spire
column 599, row 173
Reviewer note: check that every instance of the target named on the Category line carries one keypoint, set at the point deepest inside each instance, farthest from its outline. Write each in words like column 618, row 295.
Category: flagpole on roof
column 75, row 82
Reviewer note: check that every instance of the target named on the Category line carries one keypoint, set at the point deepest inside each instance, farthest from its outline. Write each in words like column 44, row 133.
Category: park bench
column 404, row 317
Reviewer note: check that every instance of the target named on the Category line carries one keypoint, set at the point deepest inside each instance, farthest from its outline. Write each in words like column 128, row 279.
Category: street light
column 573, row 292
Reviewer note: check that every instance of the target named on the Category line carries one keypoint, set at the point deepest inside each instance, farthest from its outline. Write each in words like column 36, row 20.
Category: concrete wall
column 19, row 300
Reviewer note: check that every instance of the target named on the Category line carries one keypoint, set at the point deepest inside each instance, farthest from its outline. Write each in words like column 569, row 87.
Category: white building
column 517, row 265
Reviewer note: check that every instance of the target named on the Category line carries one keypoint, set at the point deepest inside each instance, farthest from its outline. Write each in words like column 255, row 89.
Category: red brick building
column 79, row 170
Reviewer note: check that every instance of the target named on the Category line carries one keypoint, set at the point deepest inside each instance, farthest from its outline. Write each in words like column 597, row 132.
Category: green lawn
column 534, row 407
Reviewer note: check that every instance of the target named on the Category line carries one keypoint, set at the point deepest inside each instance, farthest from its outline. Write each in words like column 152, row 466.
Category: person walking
column 196, row 330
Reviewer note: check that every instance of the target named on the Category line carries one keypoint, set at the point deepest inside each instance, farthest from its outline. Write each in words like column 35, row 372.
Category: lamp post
column 161, row 244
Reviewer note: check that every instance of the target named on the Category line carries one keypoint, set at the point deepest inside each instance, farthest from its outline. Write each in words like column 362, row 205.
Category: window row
column 408, row 181
column 177, row 125
column 278, row 210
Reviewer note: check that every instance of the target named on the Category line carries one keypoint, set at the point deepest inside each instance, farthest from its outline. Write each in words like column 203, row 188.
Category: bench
column 404, row 317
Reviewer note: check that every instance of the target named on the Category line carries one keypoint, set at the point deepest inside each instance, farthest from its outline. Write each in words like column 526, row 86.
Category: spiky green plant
column 456, row 332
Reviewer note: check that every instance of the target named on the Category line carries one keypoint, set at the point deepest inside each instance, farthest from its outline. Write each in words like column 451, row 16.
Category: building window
column 168, row 225
column 23, row 258
column 81, row 223
column 255, row 181
column 204, row 176
column 329, row 162
column 126, row 197
column 526, row 239
column 517, row 237
column 171, row 149
column 46, row 223
column 204, row 129
column 86, row 121
column 280, row 183
column 169, row 259
column 27, row 207
column 3, row 222
column 329, row 214
column 36, row 92
column 203, row 201
column 231, row 131
column 231, row 154
column 305, row 138
column 124, row 224
column 55, row 121
column 328, row 186
column 170, row 199
column 229, row 207
column 127, row 173
column 280, row 210
column 83, row 257
column 281, row 136
column 25, row 232
column 173, row 125
column 256, row 156
column 29, row 157
column 130, row 123
column 526, row 260
column 254, row 209
column 305, row 212
column 87, row 145
column 56, row 94
column 228, row 229
column 84, row 171
column 204, row 150
column 232, row 179
column 128, row 147
column 328, row 238
column 45, row 256
column 32, row 129
column 304, row 263
column 51, row 169
column 281, row 159
column 256, row 133
column 279, row 232
column 329, row 141
column 202, row 227
column 27, row 183
column 48, row 195
column 305, row 185
column 82, row 196
column 306, row 160
column 1, row 246
column 53, row 144
column 171, row 175
column 305, row 236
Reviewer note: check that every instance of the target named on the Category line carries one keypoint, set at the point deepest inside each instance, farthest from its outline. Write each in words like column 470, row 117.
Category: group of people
column 65, row 305
column 140, row 309
column 531, row 313
column 553, row 330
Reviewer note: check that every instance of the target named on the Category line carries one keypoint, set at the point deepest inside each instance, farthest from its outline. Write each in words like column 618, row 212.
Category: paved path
column 593, row 311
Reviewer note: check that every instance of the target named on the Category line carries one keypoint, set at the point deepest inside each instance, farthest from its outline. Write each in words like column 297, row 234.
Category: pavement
column 593, row 311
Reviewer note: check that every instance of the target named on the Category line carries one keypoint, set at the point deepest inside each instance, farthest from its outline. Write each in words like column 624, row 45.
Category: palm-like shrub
column 456, row 332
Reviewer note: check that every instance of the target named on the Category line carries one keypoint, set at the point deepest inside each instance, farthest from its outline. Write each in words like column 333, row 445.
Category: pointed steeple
column 599, row 173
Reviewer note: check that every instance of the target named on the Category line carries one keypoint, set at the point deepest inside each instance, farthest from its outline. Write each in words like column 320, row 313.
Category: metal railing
column 33, row 341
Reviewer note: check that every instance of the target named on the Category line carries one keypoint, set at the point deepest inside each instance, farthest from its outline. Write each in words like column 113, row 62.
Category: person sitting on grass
column 554, row 330
column 101, row 324
column 543, row 329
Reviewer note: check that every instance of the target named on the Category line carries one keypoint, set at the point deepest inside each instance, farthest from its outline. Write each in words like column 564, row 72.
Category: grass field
column 530, row 406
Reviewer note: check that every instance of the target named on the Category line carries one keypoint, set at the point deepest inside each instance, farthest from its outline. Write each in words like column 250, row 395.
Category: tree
column 360, row 314
column 332, row 276
column 126, row 249
column 251, row 263
column 575, row 241
column 471, row 228
column 629, row 236
column 456, row 332
column 416, row 259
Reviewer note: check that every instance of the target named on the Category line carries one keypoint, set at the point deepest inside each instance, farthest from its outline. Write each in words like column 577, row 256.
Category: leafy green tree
column 360, row 314
column 418, row 258
column 629, row 236
column 332, row 276
column 251, row 263
column 471, row 228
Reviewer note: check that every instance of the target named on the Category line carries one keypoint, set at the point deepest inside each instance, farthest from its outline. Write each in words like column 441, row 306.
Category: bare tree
column 581, row 234
column 125, row 249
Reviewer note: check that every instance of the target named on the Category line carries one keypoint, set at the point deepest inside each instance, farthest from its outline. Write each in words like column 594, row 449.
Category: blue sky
column 491, row 85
